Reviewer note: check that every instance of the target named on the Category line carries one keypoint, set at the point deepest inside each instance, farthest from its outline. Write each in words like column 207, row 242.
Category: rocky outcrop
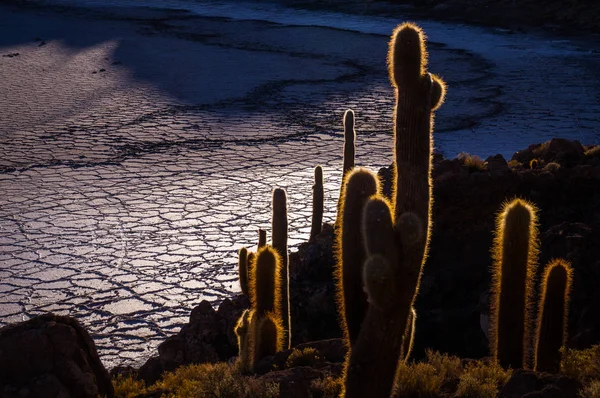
column 50, row 356
column 208, row 337
column 525, row 383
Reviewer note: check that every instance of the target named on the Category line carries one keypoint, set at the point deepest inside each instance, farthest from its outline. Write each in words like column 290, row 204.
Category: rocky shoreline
column 562, row 177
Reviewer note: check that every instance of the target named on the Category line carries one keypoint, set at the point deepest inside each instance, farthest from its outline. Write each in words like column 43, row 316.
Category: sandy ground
column 138, row 148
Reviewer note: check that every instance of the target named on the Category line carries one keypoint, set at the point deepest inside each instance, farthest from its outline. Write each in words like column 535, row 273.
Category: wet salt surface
column 126, row 192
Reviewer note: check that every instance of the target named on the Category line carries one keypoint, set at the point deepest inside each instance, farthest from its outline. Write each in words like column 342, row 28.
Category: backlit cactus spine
column 515, row 255
column 359, row 186
column 396, row 235
column 279, row 230
column 317, row 208
column 551, row 328
column 409, row 335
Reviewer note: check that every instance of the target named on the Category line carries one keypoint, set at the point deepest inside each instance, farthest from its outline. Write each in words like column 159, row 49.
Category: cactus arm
column 349, row 155
column 360, row 184
column 262, row 238
column 242, row 331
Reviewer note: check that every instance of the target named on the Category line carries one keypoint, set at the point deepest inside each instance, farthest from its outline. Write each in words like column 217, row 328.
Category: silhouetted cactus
column 551, row 333
column 349, row 154
column 396, row 236
column 360, row 184
column 279, row 231
column 243, row 270
column 242, row 331
column 265, row 282
column 409, row 335
column 515, row 255
column 262, row 238
column 317, row 208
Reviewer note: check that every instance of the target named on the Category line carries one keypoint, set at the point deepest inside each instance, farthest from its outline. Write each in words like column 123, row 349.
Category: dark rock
column 497, row 165
column 294, row 382
column 50, row 356
column 208, row 337
column 526, row 383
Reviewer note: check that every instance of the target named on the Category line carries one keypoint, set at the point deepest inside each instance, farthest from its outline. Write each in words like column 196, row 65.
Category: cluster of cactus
column 382, row 244
column 515, row 257
column 265, row 328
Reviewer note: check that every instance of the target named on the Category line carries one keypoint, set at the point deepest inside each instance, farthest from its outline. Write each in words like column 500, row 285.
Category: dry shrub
column 305, row 357
column 417, row 380
column 128, row 387
column 221, row 380
column 592, row 390
column 583, row 365
column 482, row 380
column 552, row 166
column 328, row 387
column 473, row 162
column 593, row 152
column 449, row 366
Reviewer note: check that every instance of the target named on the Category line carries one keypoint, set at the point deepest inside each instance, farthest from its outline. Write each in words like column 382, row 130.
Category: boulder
column 51, row 356
column 526, row 383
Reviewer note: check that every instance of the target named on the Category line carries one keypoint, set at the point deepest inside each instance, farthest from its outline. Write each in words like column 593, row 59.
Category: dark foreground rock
column 525, row 383
column 50, row 356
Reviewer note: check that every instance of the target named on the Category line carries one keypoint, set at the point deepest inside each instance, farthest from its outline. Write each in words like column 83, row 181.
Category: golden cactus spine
column 360, row 184
column 396, row 235
column 515, row 254
column 279, row 230
column 317, row 208
column 409, row 335
column 267, row 336
column 349, row 154
column 551, row 328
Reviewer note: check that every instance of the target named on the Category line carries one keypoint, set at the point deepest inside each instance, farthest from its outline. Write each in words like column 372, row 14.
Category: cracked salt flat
column 138, row 184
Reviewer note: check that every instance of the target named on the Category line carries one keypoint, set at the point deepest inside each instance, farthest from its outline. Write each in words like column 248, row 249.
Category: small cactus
column 349, row 154
column 360, row 184
column 515, row 255
column 262, row 238
column 243, row 270
column 318, row 198
column 396, row 235
column 551, row 333
column 280, row 243
column 242, row 331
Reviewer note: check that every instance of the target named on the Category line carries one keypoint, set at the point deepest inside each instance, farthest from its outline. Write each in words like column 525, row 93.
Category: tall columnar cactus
column 515, row 254
column 349, row 154
column 317, row 208
column 262, row 238
column 242, row 331
column 551, row 330
column 279, row 231
column 266, row 324
column 396, row 235
column 409, row 335
column 360, row 184
column 243, row 270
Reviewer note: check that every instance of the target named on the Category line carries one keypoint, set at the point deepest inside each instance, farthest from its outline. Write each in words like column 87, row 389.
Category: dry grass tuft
column 328, row 387
column 306, row 357
column 473, row 162
column 482, row 380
